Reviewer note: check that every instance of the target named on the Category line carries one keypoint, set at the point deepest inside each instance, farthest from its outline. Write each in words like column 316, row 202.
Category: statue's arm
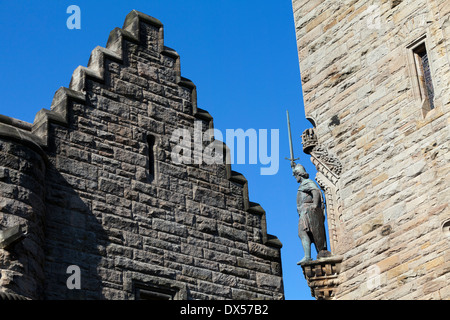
column 316, row 197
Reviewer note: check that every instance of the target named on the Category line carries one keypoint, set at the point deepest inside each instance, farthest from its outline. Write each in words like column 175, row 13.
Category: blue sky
column 241, row 55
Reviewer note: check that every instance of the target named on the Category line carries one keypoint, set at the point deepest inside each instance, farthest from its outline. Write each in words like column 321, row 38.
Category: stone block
column 268, row 282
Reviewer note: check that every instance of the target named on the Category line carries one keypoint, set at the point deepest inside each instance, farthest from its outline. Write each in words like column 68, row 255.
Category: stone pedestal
column 322, row 276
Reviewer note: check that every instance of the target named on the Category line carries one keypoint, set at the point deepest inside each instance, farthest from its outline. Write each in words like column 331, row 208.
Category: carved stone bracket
column 11, row 236
column 322, row 276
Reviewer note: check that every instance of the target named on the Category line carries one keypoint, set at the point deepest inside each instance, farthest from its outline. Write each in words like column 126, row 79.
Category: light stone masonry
column 361, row 86
column 92, row 184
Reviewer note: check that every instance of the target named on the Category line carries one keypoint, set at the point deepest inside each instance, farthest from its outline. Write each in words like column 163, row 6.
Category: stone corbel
column 322, row 276
column 10, row 236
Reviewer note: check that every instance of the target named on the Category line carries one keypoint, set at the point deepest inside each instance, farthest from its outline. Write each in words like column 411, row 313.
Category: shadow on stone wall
column 74, row 236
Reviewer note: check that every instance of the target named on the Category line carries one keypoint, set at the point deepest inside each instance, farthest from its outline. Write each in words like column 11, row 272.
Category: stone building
column 93, row 205
column 375, row 76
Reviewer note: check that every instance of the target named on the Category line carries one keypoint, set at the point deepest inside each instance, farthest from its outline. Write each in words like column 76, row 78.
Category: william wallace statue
column 310, row 208
column 311, row 217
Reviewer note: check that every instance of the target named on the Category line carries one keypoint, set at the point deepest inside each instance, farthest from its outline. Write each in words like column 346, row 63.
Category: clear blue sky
column 241, row 54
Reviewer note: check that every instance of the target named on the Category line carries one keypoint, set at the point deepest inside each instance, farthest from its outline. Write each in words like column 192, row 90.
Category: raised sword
column 291, row 149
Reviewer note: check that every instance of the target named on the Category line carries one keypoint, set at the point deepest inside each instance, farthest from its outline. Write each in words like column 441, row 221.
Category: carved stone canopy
column 309, row 140
column 320, row 155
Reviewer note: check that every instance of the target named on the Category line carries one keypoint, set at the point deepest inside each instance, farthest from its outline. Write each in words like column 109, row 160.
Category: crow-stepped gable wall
column 91, row 184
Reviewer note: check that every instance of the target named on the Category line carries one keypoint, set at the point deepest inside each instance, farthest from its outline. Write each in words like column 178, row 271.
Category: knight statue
column 310, row 208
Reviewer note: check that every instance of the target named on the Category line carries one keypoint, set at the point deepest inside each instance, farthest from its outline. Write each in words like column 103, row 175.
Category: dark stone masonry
column 91, row 183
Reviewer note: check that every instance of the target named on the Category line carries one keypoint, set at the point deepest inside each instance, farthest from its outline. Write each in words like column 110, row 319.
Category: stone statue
column 310, row 208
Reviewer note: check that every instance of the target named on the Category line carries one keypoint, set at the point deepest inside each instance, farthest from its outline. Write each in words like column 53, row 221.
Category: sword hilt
column 292, row 161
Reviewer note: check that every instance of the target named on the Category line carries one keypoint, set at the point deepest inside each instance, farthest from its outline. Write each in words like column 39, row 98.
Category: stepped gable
column 116, row 205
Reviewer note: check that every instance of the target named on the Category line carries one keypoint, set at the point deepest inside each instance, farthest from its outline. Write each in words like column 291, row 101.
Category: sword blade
column 291, row 149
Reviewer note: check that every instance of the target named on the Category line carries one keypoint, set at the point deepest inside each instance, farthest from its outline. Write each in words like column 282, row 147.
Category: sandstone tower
column 376, row 77
column 91, row 184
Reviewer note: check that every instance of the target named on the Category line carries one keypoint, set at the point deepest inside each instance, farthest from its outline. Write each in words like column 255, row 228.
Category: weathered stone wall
column 22, row 195
column 390, row 200
column 117, row 204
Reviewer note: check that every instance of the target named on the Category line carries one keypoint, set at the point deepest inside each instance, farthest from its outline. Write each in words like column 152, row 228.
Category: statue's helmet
column 299, row 169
